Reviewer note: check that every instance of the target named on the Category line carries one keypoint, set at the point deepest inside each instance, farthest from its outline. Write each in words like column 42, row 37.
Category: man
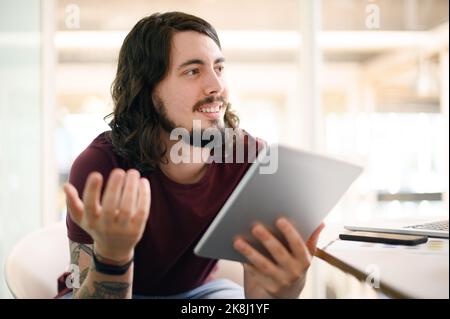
column 134, row 235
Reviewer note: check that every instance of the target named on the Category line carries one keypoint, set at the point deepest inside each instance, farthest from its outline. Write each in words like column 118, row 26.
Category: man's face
column 194, row 88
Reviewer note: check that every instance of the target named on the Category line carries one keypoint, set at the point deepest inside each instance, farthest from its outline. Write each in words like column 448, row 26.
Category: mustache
column 207, row 100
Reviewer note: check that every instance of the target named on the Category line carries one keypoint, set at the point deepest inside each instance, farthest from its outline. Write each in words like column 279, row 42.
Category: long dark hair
column 143, row 62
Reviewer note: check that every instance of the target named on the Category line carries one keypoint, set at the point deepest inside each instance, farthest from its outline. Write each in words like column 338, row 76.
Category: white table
column 420, row 271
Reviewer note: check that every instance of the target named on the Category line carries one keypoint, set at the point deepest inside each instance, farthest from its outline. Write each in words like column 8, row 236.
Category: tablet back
column 304, row 188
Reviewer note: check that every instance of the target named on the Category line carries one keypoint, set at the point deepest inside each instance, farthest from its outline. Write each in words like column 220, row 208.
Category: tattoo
column 74, row 252
column 75, row 249
column 83, row 275
column 101, row 289
column 87, row 249
column 105, row 290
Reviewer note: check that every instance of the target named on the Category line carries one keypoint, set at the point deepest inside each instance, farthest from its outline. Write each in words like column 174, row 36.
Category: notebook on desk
column 434, row 228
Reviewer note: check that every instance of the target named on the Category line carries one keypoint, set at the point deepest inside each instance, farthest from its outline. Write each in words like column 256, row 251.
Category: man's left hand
column 285, row 275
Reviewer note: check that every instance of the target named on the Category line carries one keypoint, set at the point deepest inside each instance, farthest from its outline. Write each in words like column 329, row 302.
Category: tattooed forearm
column 83, row 275
column 74, row 252
column 105, row 290
column 76, row 248
column 78, row 259
column 87, row 249
column 94, row 285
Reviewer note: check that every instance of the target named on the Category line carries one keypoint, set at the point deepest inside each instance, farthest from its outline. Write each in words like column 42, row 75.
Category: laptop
column 434, row 228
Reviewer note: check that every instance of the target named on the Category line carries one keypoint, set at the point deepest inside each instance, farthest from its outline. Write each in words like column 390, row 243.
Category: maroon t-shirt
column 179, row 214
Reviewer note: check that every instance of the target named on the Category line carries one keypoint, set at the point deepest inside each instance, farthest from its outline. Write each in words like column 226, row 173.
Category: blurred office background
column 361, row 80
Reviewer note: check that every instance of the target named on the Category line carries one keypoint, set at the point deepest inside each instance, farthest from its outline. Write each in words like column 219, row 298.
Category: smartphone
column 385, row 238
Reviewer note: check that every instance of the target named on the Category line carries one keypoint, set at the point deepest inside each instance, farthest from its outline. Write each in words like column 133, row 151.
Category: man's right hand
column 118, row 222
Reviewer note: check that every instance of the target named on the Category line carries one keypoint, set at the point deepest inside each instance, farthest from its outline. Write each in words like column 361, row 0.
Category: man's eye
column 192, row 72
column 220, row 68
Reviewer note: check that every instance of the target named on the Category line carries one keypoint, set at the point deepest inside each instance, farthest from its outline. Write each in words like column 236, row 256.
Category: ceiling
column 413, row 23
column 114, row 18
column 259, row 15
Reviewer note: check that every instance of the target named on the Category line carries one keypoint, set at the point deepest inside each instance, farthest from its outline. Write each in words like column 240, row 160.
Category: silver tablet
column 303, row 187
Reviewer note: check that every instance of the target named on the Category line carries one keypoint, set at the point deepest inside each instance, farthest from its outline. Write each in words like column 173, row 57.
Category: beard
column 196, row 138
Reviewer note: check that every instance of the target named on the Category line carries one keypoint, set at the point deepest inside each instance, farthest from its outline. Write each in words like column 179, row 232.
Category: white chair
column 36, row 261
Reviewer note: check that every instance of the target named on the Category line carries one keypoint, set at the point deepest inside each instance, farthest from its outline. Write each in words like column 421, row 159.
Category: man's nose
column 213, row 84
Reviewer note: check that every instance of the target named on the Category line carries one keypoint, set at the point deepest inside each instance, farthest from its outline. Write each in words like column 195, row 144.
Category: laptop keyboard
column 440, row 225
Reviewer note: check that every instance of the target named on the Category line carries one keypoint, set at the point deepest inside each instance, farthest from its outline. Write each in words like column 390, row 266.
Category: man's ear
column 152, row 96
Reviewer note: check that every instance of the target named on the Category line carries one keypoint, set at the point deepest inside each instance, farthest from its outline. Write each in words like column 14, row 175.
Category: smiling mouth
column 210, row 108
